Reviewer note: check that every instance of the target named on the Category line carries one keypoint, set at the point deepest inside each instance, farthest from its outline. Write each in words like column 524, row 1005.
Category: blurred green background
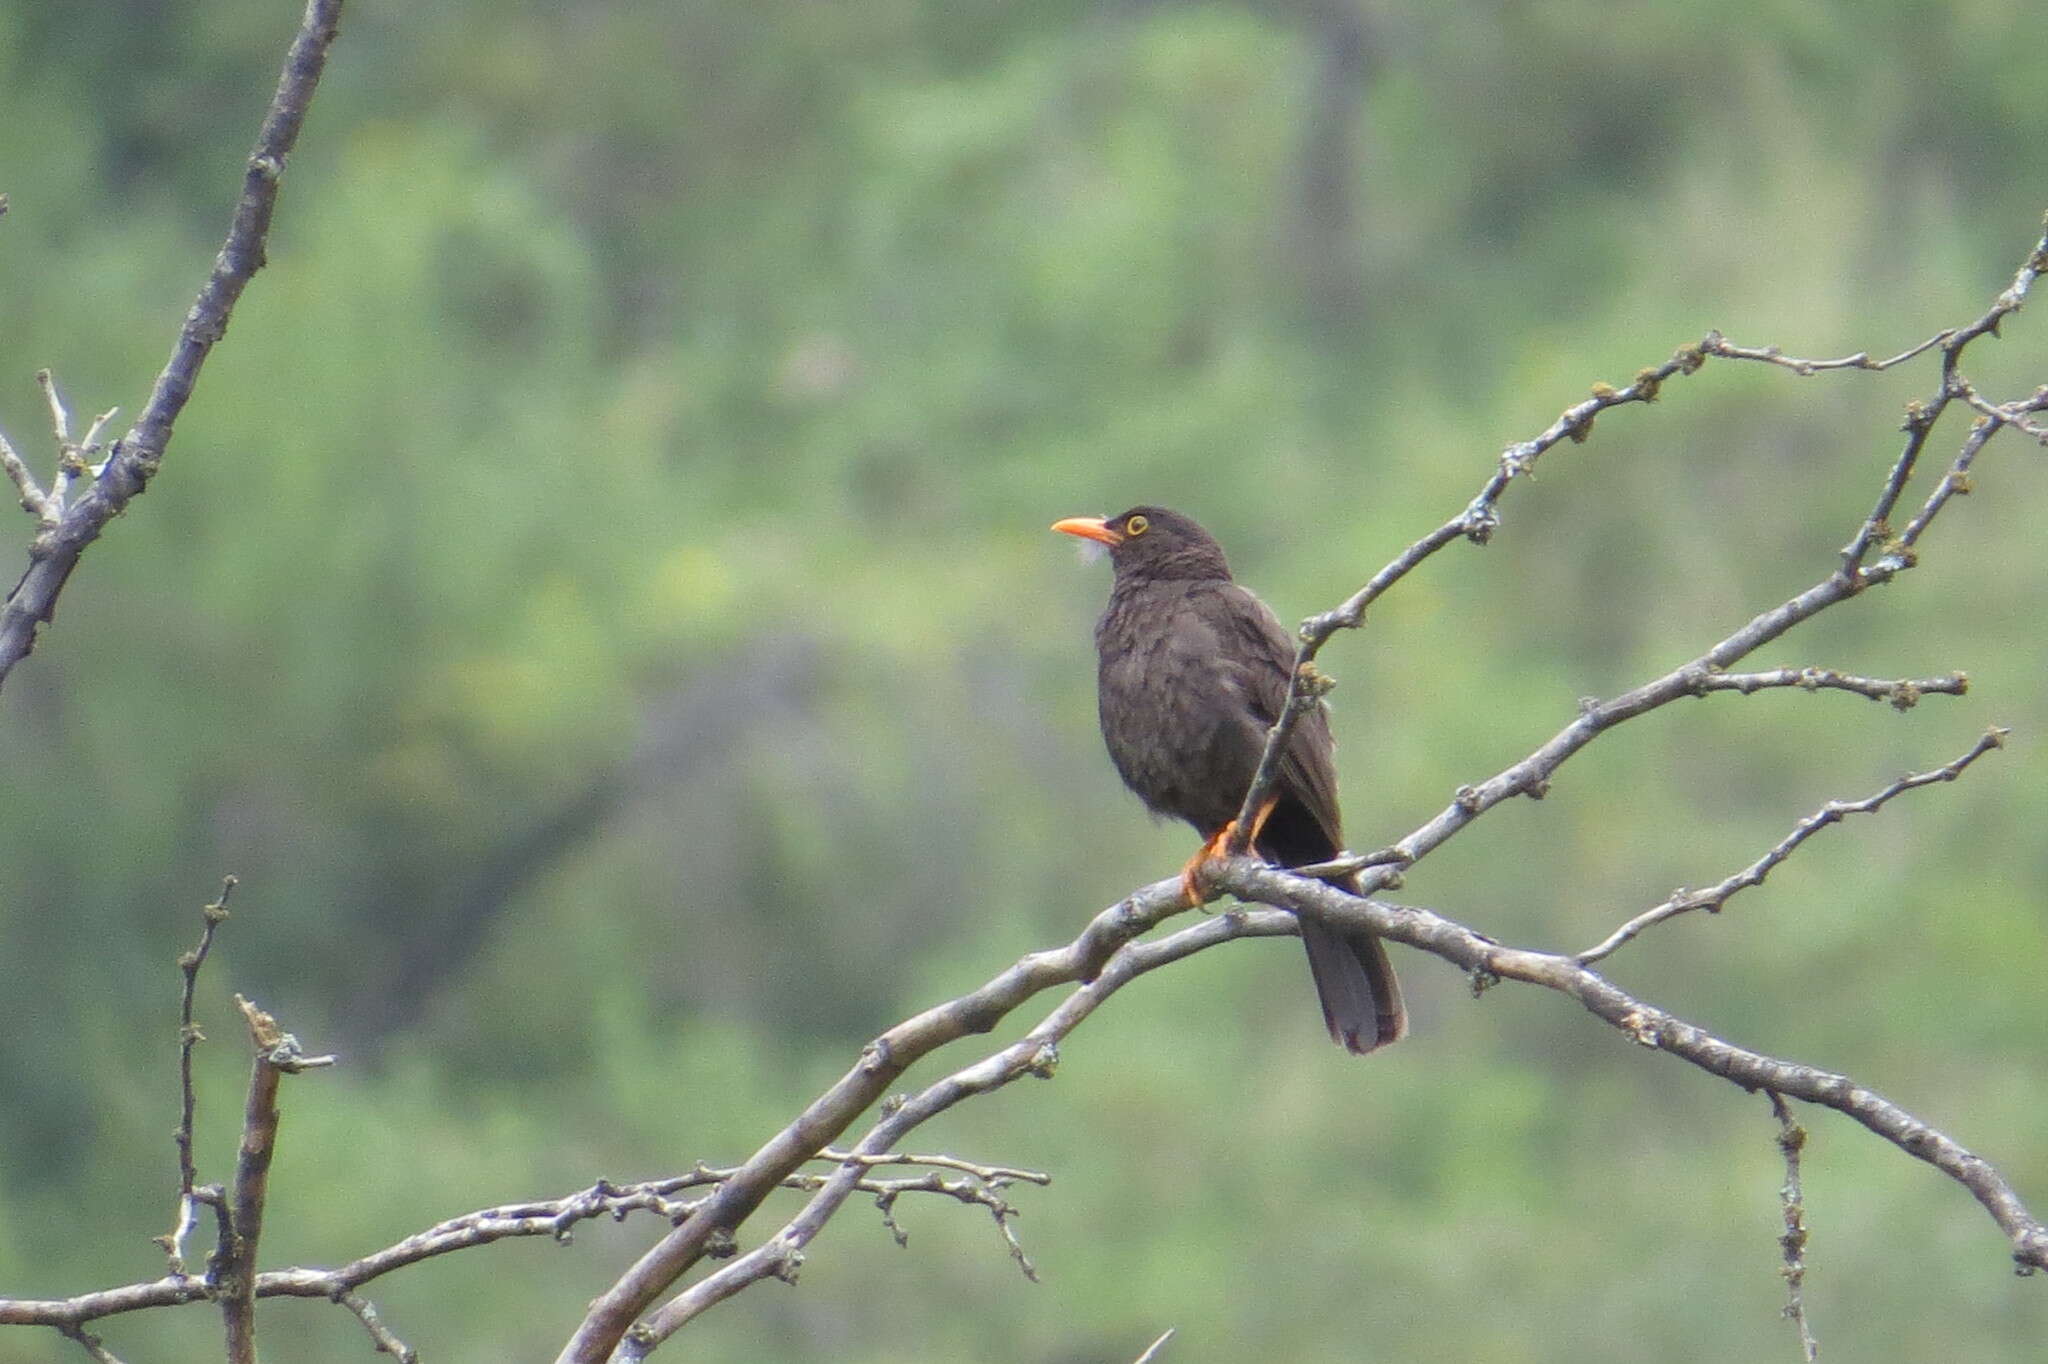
column 599, row 603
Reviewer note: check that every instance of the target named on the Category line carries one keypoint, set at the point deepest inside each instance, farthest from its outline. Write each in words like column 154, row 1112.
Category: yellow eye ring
column 1136, row 525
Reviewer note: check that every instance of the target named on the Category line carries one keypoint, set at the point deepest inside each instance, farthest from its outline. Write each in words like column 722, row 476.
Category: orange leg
column 1212, row 851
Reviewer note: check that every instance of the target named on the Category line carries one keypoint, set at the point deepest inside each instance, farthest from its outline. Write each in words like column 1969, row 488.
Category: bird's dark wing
column 1261, row 655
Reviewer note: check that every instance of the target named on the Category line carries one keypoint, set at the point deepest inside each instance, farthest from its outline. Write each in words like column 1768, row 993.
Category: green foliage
column 598, row 603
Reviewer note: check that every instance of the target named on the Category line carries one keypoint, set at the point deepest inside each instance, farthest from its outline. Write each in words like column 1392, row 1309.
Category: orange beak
column 1089, row 528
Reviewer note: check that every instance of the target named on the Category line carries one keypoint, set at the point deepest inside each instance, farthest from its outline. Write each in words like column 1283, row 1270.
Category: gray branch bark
column 135, row 458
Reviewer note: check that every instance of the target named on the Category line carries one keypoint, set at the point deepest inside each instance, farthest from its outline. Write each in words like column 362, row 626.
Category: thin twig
column 2013, row 414
column 60, row 417
column 1713, row 897
column 69, row 465
column 989, row 1173
column 1792, row 1242
column 34, row 500
column 967, row 1191
column 90, row 1343
column 189, row 1036
column 381, row 1335
column 1155, row 1349
column 1716, row 344
column 1900, row 693
column 1954, row 483
column 551, row 1218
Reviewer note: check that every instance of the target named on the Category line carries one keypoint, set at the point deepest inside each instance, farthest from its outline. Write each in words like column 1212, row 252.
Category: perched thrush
column 1193, row 672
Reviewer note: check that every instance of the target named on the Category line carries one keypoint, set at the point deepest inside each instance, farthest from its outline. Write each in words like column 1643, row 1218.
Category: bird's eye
column 1136, row 525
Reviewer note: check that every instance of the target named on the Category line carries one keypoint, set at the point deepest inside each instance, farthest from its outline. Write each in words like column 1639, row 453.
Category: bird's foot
column 1217, row 849
column 1191, row 875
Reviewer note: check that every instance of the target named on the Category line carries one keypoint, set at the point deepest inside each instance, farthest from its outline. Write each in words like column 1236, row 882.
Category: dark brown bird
column 1193, row 673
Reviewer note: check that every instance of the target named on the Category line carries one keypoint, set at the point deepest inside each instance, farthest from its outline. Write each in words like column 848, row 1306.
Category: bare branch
column 233, row 1271
column 91, row 1344
column 60, row 419
column 992, row 1174
column 610, row 1324
column 107, row 1302
column 612, row 1314
column 1109, row 933
column 69, row 465
column 1901, row 693
column 1034, row 1054
column 554, row 1218
column 1792, row 1140
column 1920, row 419
column 1479, row 519
column 34, row 500
column 136, row 456
column 380, row 1335
column 967, row 1191
column 189, row 1036
column 1652, row 1027
column 1476, row 523
column 2012, row 414
column 1716, row 344
column 1713, row 897
column 1955, row 483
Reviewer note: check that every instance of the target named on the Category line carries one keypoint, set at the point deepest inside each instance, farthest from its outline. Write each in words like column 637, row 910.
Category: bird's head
column 1152, row 542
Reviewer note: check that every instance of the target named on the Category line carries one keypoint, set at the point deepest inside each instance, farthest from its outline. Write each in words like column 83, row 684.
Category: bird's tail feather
column 1354, row 980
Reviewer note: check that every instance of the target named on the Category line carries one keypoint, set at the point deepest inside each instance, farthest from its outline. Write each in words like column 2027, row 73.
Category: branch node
column 1315, row 683
column 1479, row 524
column 1642, row 1027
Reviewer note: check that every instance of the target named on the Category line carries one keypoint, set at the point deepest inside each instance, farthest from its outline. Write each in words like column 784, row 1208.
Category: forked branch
column 68, row 526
